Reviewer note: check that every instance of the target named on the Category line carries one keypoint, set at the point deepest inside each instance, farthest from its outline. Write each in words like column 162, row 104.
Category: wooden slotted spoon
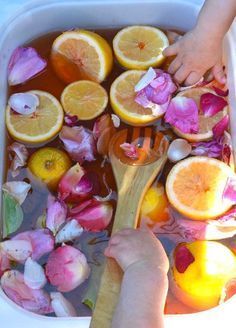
column 133, row 178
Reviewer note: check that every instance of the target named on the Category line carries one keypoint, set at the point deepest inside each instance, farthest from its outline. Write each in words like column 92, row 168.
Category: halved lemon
column 41, row 126
column 85, row 99
column 139, row 47
column 81, row 55
column 205, row 123
column 122, row 97
column 195, row 187
column 49, row 164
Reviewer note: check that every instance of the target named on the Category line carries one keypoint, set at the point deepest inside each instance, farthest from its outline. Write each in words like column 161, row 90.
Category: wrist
column 149, row 269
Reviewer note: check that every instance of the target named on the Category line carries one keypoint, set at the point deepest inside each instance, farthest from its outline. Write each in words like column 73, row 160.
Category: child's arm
column 201, row 48
column 145, row 283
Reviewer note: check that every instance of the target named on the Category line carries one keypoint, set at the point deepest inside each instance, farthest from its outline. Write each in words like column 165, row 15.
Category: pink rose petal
column 69, row 232
column 115, row 120
column 130, row 150
column 220, row 92
column 230, row 190
column 182, row 113
column 17, row 189
column 18, row 155
column 210, row 148
column 183, row 258
column 220, row 127
column 79, row 143
column 61, row 306
column 37, row 301
column 229, row 289
column 17, row 250
column 4, row 262
column 71, row 120
column 56, row 214
column 211, row 104
column 23, row 103
column 227, row 150
column 146, row 79
column 24, row 64
column 34, row 276
column 67, row 268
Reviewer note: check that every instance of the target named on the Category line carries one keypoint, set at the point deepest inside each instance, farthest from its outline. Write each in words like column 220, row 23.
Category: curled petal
column 115, row 120
column 108, row 197
column 34, row 276
column 41, row 240
column 24, row 103
column 209, row 148
column 67, row 268
column 130, row 150
column 103, row 131
column 182, row 113
column 178, row 149
column 79, row 143
column 17, row 189
column 220, row 127
column 37, row 301
column 18, row 155
column 92, row 215
column 212, row 104
column 24, row 64
column 56, row 214
column 146, row 79
column 71, row 120
column 69, row 232
column 61, row 306
column 220, row 92
column 17, row 250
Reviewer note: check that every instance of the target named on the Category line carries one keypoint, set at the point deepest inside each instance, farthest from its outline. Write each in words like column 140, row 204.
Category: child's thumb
column 171, row 50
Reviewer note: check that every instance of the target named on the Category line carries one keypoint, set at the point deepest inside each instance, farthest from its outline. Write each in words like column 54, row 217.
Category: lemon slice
column 195, row 187
column 41, row 126
column 81, row 55
column 139, row 47
column 85, row 99
column 122, row 97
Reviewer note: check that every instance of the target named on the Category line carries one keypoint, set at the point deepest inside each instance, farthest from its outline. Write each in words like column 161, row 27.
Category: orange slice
column 81, row 55
column 140, row 47
column 122, row 97
column 205, row 123
column 195, row 187
column 85, row 99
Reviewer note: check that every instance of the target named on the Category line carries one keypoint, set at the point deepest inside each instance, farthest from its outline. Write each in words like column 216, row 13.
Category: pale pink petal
column 146, row 79
column 230, row 190
column 67, row 268
column 178, row 149
column 23, row 103
column 61, row 306
column 212, row 104
column 18, row 156
column 92, row 215
column 24, row 64
column 41, row 240
column 209, row 148
column 182, row 113
column 71, row 120
column 37, row 301
column 17, row 250
column 115, row 120
column 130, row 150
column 4, row 262
column 79, row 143
column 220, row 127
column 34, row 276
column 17, row 189
column 69, row 232
column 56, row 214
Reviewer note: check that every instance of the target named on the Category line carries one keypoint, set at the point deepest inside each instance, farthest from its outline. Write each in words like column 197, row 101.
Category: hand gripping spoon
column 133, row 178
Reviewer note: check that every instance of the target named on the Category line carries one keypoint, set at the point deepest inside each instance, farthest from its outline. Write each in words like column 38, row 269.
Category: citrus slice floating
column 49, row 165
column 122, row 97
column 205, row 123
column 139, row 47
column 195, row 187
column 41, row 126
column 81, row 55
column 85, row 99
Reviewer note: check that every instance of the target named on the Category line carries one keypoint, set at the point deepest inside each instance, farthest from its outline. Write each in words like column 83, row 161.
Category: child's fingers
column 174, row 66
column 171, row 50
column 181, row 74
column 219, row 73
column 193, row 78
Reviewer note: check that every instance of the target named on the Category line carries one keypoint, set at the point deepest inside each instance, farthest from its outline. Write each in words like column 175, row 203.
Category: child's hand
column 195, row 54
column 130, row 246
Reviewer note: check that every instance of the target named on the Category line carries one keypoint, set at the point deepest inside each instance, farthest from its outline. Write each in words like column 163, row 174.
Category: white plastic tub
column 40, row 17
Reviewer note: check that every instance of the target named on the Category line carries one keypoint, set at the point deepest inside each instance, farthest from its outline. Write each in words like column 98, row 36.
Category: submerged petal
column 211, row 104
column 34, row 276
column 17, row 250
column 130, row 150
column 56, row 214
column 115, row 120
column 71, row 120
column 209, row 148
column 17, row 189
column 4, row 262
column 178, row 149
column 18, row 155
column 103, row 130
column 24, row 103
column 61, row 306
column 220, row 127
column 24, row 64
column 69, row 232
column 230, row 190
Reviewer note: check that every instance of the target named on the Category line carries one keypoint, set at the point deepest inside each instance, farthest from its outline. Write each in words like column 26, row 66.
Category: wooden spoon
column 133, row 178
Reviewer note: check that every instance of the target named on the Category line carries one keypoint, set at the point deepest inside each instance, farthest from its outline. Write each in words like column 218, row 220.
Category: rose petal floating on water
column 61, row 306
column 71, row 120
column 130, row 150
column 115, row 120
column 76, row 185
column 183, row 258
column 4, row 262
column 79, row 143
column 34, row 276
column 230, row 190
column 92, row 214
column 69, row 232
column 41, row 240
column 209, row 148
column 67, row 268
column 182, row 113
column 178, row 149
column 24, row 64
column 37, row 301
column 19, row 158
column 103, row 131
column 146, row 79
column 17, row 189
column 220, row 92
column 220, row 127
column 24, row 103
column 56, row 214
column 17, row 250
column 211, row 104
